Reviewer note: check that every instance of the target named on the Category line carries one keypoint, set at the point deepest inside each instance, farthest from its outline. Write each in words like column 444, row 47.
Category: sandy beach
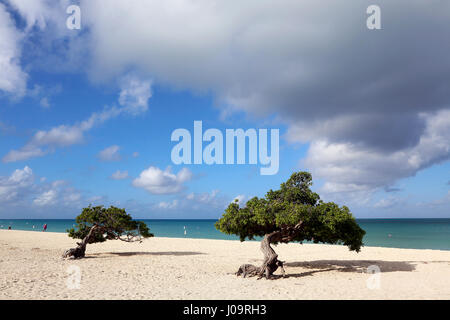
column 166, row 268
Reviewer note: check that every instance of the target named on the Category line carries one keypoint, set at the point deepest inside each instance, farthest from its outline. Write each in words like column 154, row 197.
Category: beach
column 175, row 268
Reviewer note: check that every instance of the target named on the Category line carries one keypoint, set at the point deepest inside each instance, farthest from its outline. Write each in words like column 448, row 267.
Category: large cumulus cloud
column 372, row 95
column 366, row 100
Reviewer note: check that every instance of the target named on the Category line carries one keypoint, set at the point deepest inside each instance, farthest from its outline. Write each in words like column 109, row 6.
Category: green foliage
column 324, row 222
column 114, row 223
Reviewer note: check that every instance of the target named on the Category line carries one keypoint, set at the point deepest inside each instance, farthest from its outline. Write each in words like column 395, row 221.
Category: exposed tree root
column 271, row 262
column 80, row 250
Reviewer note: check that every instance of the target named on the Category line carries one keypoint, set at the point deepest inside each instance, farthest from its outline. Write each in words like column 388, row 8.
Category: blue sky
column 86, row 116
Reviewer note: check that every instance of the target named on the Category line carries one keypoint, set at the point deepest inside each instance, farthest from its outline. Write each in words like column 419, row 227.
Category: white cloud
column 46, row 198
column 195, row 201
column 19, row 191
column 72, row 195
column 12, row 78
column 110, row 154
column 134, row 94
column 25, row 195
column 119, row 175
column 352, row 168
column 36, row 12
column 45, row 141
column 168, row 205
column 22, row 177
column 386, row 203
column 60, row 136
column 57, row 192
column 47, row 16
column 156, row 181
column 204, row 198
column 12, row 186
column 202, row 204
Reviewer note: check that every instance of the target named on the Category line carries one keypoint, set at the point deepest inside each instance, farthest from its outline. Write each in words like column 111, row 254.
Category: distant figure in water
column 184, row 230
column 9, row 228
column 45, row 227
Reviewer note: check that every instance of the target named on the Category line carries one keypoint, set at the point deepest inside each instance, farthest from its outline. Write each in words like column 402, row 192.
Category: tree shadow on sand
column 128, row 254
column 357, row 266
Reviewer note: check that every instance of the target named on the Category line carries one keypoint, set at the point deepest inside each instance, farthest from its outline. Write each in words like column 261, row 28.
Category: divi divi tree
column 98, row 224
column 292, row 213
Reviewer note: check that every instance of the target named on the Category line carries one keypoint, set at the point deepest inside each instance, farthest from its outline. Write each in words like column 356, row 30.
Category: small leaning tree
column 292, row 213
column 98, row 224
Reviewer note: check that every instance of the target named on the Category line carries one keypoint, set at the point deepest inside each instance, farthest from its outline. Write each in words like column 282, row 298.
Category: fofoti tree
column 98, row 224
column 292, row 213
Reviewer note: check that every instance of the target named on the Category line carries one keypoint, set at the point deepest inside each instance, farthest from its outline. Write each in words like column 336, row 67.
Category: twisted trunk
column 271, row 262
column 80, row 250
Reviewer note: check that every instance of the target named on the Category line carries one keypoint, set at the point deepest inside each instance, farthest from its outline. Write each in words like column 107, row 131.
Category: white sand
column 31, row 267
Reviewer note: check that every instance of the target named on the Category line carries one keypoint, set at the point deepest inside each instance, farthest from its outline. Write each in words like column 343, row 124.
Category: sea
column 390, row 233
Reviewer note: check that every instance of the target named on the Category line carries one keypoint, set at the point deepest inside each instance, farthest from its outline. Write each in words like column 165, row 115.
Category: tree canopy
column 98, row 224
column 297, row 213
column 113, row 223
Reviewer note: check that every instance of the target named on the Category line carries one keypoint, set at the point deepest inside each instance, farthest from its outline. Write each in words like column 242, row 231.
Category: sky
column 87, row 114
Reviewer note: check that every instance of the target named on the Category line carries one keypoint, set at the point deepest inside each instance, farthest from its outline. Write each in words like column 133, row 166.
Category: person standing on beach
column 45, row 228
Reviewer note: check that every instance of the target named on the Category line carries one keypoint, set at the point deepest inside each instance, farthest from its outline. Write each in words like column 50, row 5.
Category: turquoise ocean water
column 393, row 233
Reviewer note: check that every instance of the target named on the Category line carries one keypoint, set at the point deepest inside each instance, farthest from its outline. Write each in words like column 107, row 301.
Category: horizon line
column 204, row 219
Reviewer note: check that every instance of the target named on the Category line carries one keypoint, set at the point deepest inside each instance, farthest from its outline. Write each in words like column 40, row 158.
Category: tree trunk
column 80, row 250
column 271, row 262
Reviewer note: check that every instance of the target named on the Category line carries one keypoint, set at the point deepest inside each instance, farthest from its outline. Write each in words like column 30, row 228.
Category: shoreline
column 202, row 269
column 237, row 240
column 423, row 234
